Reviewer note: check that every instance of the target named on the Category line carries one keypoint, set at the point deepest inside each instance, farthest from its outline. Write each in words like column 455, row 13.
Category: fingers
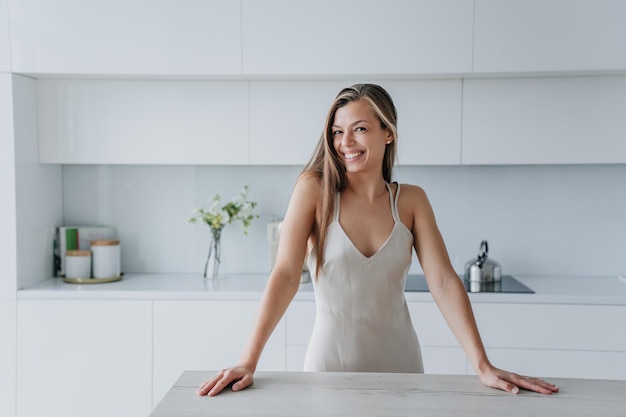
column 536, row 385
column 511, row 382
column 236, row 378
column 243, row 382
column 208, row 385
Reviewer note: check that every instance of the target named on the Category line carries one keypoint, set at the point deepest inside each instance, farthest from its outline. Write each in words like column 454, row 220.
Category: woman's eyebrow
column 353, row 123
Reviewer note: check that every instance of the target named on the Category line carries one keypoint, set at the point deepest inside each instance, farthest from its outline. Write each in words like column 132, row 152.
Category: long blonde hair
column 326, row 165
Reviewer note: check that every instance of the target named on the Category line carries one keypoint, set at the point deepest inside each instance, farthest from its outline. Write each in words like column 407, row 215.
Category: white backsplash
column 539, row 220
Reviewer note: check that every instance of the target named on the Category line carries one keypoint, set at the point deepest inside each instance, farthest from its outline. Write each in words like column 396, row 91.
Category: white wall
column 38, row 190
column 7, row 249
column 5, row 56
column 557, row 220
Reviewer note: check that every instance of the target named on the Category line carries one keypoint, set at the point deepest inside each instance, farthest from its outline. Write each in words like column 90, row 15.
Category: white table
column 297, row 394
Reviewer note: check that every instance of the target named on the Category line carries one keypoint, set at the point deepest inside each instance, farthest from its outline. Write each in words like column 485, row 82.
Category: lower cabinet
column 119, row 357
column 552, row 340
column 206, row 335
column 84, row 358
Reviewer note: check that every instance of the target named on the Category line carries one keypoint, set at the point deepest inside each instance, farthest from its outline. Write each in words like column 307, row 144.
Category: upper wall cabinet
column 140, row 37
column 285, row 131
column 143, row 122
column 326, row 37
column 287, row 119
column 5, row 61
column 556, row 35
column 566, row 120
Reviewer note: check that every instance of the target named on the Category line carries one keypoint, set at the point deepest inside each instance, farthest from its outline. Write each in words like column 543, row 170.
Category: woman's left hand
column 511, row 382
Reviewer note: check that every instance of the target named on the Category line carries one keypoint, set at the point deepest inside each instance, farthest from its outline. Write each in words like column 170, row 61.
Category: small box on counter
column 77, row 238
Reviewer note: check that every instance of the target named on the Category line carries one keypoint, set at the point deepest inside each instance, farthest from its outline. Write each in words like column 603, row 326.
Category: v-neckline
column 357, row 250
column 395, row 223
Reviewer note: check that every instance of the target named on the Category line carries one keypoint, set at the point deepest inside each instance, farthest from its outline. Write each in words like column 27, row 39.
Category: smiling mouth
column 352, row 155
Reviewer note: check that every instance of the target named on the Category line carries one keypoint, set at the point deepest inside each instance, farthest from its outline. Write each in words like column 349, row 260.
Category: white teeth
column 352, row 155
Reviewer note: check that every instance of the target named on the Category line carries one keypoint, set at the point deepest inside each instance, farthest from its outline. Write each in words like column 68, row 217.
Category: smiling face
column 358, row 137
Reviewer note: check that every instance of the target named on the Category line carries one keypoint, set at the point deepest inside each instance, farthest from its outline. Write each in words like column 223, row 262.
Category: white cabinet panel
column 5, row 58
column 429, row 121
column 295, row 357
column 287, row 119
column 430, row 326
column 557, row 35
column 147, row 37
column 561, row 363
column 444, row 360
column 541, row 326
column 544, row 120
column 8, row 253
column 143, row 122
column 357, row 37
column 300, row 318
column 209, row 336
column 7, row 356
column 84, row 358
column 36, row 186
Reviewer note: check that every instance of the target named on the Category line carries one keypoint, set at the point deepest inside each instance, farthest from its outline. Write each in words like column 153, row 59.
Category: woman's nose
column 347, row 138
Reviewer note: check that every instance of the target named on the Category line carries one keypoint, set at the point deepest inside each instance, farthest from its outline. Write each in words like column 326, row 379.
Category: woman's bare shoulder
column 309, row 184
column 413, row 193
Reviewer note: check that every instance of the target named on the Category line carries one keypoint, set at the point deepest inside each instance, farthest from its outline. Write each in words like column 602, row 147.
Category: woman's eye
column 336, row 132
column 360, row 129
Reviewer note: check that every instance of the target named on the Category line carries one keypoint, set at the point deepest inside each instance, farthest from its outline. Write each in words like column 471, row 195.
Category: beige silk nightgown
column 362, row 321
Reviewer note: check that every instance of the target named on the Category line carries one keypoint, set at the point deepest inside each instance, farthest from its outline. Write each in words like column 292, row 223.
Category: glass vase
column 212, row 265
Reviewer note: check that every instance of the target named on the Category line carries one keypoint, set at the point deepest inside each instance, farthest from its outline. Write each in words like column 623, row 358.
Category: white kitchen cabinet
column 143, row 122
column 206, row 335
column 440, row 351
column 558, row 35
column 84, row 358
column 8, row 252
column 429, row 121
column 560, row 363
column 327, row 37
column 7, row 356
column 287, row 119
column 568, row 120
column 139, row 37
column 577, row 341
column 5, row 54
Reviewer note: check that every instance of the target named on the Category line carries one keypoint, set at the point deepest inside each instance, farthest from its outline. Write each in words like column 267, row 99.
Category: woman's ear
column 389, row 137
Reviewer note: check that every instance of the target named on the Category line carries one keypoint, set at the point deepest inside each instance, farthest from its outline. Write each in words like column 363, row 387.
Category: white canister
column 106, row 258
column 78, row 264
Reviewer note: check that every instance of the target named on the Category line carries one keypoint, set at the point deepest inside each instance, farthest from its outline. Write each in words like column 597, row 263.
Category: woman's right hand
column 239, row 377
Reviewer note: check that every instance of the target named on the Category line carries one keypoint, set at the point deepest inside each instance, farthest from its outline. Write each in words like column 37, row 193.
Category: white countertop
column 605, row 290
column 297, row 394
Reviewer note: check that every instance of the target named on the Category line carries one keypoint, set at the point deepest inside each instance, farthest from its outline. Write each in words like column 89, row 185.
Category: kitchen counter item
column 506, row 284
column 106, row 258
column 481, row 269
column 78, row 264
column 383, row 394
column 91, row 280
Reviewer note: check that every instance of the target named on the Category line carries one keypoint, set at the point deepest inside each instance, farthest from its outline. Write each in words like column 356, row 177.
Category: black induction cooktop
column 508, row 284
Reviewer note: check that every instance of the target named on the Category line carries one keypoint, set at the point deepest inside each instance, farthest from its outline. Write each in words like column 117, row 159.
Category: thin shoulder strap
column 337, row 198
column 394, row 202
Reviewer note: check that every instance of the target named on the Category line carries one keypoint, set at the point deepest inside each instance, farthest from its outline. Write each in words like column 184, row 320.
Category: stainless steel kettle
column 482, row 269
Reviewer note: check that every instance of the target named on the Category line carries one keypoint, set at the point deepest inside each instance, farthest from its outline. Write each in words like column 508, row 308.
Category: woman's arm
column 451, row 297
column 282, row 285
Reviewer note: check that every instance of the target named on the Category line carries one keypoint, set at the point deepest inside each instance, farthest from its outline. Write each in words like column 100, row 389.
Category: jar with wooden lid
column 106, row 258
column 78, row 264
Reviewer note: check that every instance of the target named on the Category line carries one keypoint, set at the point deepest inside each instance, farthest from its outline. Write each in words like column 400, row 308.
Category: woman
column 359, row 229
